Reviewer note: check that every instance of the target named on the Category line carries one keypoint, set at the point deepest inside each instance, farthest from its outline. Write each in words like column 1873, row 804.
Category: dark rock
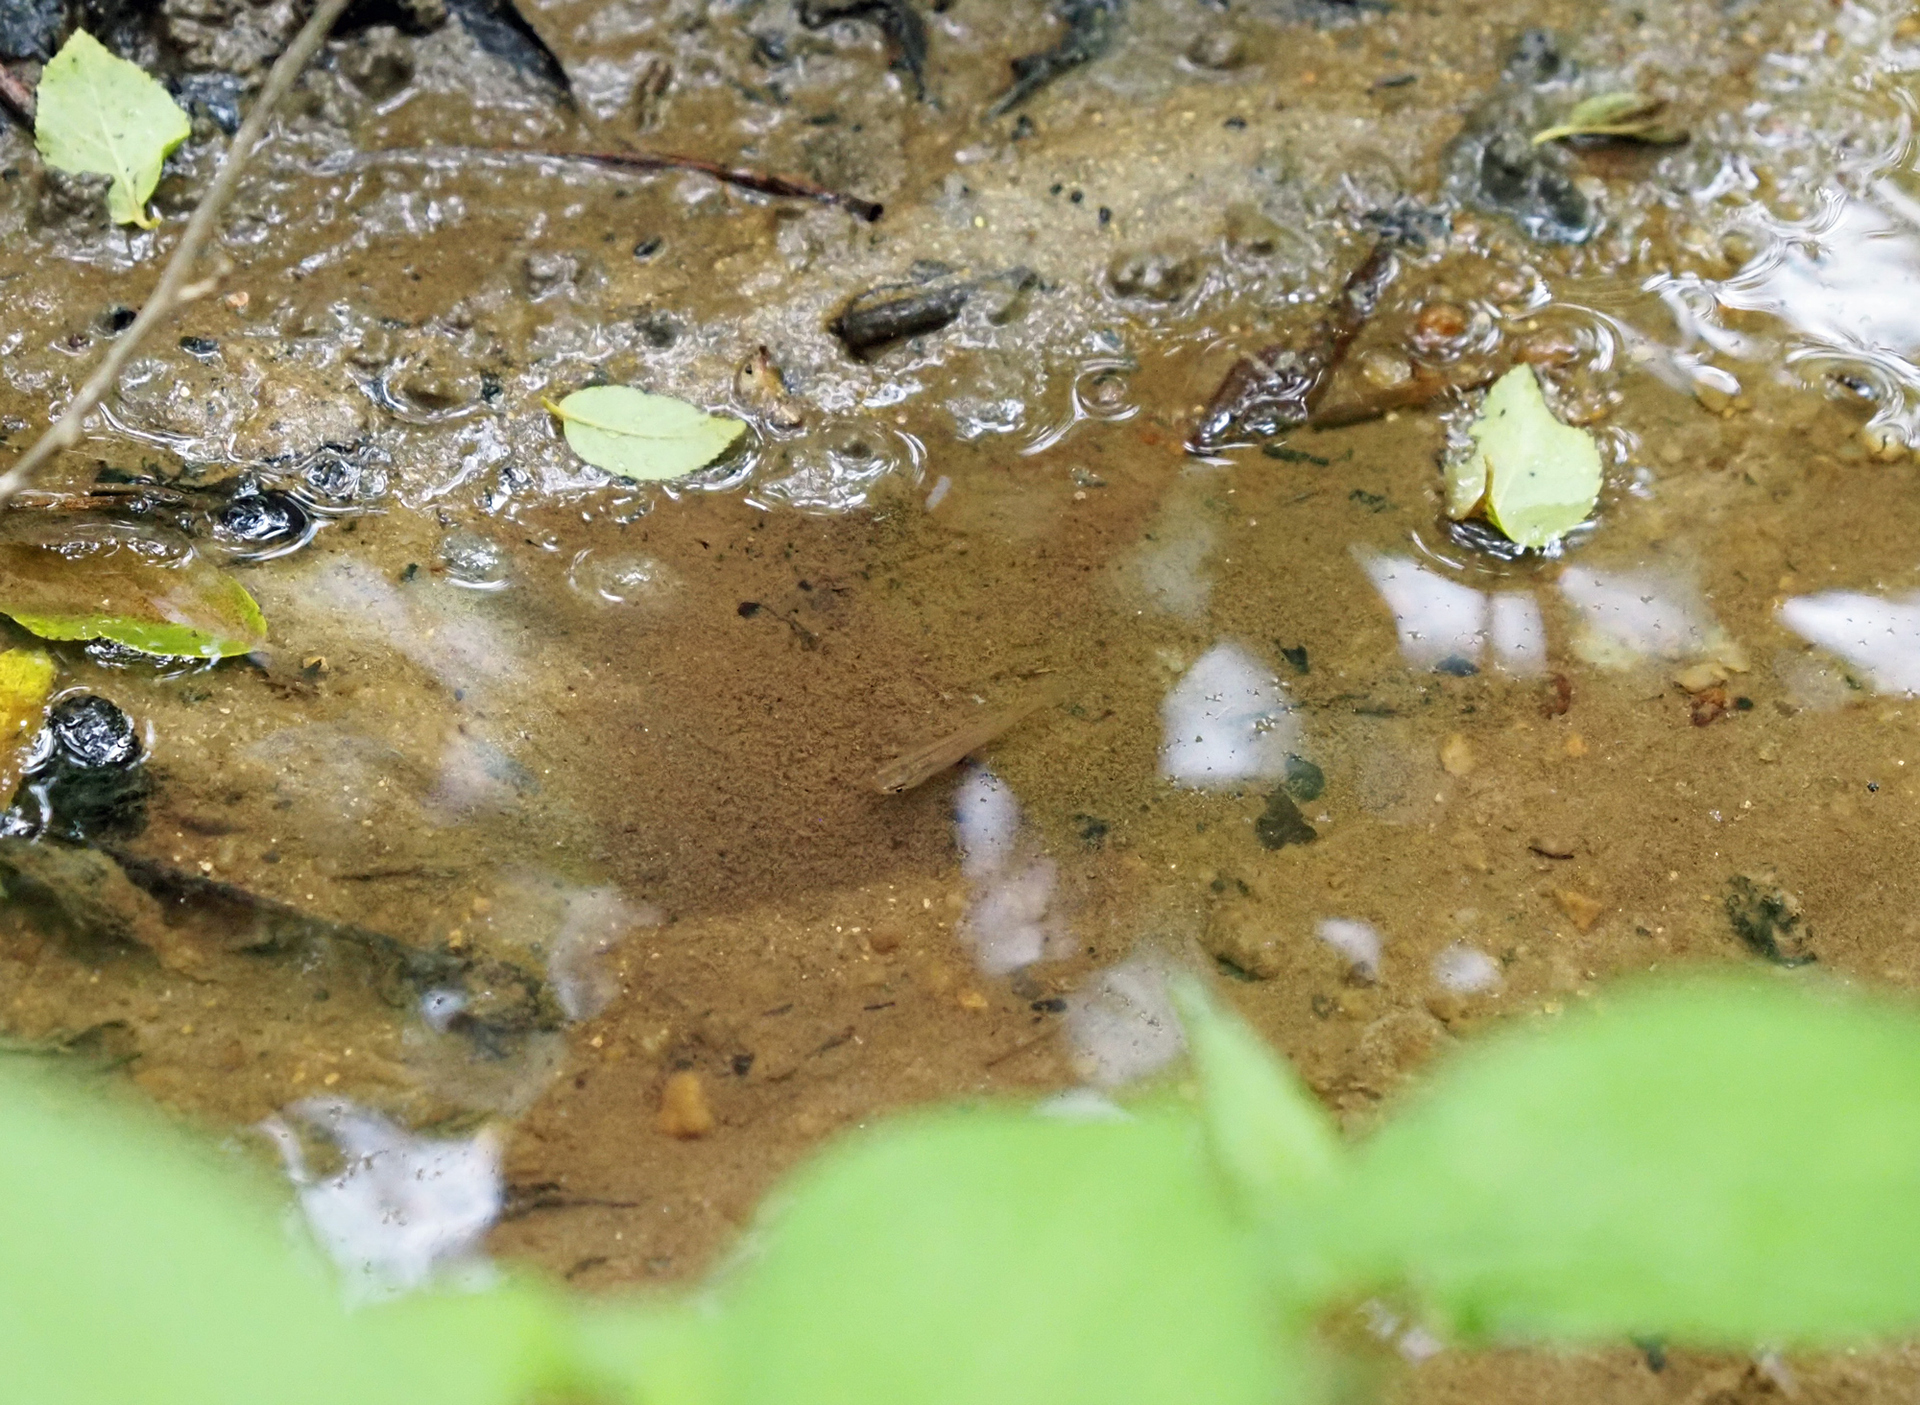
column 1305, row 781
column 215, row 96
column 30, row 29
column 260, row 525
column 501, row 30
column 85, row 780
column 1504, row 173
column 1154, row 275
column 1535, row 60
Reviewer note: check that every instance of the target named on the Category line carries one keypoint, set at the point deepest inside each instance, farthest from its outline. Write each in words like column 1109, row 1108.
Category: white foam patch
column 405, row 1209
column 1465, row 970
column 1009, row 920
column 580, row 954
column 1358, row 941
column 1880, row 637
column 1123, row 1025
column 1436, row 618
column 1226, row 721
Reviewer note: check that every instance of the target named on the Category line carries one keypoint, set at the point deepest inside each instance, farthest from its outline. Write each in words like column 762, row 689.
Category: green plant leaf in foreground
column 141, row 1265
column 642, row 436
column 1723, row 1162
column 100, row 115
column 1628, row 116
column 134, row 587
column 1000, row 1256
column 1534, row 477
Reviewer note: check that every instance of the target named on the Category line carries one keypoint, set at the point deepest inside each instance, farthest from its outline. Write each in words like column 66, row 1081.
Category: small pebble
column 1581, row 910
column 683, row 1107
column 971, row 1000
column 1553, row 846
column 1456, row 756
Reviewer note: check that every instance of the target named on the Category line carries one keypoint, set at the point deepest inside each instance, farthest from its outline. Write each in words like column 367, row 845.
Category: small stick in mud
column 174, row 289
column 1278, row 387
column 17, row 97
column 761, row 182
column 1416, row 394
column 923, row 763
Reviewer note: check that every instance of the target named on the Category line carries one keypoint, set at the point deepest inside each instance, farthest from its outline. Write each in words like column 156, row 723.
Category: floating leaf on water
column 1535, row 478
column 100, row 115
column 642, row 436
column 1628, row 116
column 26, row 678
column 134, row 587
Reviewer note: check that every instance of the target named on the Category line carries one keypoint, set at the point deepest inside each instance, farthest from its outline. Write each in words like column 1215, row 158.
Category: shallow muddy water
column 556, row 787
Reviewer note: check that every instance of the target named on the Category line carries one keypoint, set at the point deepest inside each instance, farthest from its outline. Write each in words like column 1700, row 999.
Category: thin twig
column 762, row 182
column 17, row 97
column 175, row 288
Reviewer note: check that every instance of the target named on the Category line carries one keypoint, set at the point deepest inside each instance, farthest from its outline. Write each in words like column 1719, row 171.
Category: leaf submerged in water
column 100, row 115
column 107, row 581
column 642, row 436
column 26, row 681
column 1535, row 478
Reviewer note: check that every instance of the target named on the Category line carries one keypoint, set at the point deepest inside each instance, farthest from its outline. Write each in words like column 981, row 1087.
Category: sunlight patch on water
column 1123, row 1025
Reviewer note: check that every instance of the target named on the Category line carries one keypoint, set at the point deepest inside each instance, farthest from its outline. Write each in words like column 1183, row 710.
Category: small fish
column 922, row 763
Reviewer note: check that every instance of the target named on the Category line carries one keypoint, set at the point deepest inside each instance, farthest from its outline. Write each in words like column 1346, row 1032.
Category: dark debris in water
column 1282, row 823
column 1766, row 918
column 1090, row 27
column 499, row 28
column 905, row 30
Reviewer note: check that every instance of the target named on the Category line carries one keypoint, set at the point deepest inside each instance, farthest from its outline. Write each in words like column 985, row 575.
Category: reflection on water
column 1629, row 617
column 403, row 1209
column 1226, row 721
column 1880, row 637
column 1444, row 624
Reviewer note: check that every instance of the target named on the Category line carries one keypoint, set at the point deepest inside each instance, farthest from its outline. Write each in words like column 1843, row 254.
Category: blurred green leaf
column 642, row 436
column 1267, row 1130
column 111, row 581
column 1534, row 477
column 1721, row 1162
column 100, row 115
column 999, row 1257
column 142, row 1265
column 1628, row 116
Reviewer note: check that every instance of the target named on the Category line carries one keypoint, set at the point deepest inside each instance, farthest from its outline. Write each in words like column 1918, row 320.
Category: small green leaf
column 1721, row 1162
column 110, row 581
column 1536, row 478
column 1629, row 116
column 100, row 115
column 999, row 1256
column 642, row 436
